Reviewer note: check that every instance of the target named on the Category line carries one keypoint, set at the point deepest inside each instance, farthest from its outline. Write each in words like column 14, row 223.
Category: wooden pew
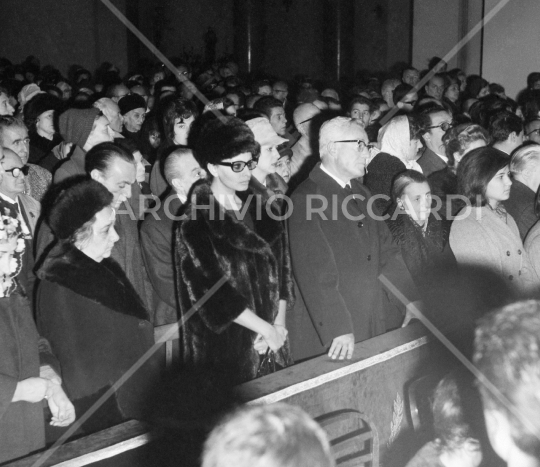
column 363, row 404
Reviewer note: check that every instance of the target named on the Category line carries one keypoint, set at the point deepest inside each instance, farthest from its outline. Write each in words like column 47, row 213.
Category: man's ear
column 512, row 137
column 96, row 175
column 175, row 183
column 331, row 148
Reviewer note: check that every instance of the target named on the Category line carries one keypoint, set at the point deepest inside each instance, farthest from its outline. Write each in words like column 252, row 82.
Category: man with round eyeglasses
column 434, row 157
column 339, row 248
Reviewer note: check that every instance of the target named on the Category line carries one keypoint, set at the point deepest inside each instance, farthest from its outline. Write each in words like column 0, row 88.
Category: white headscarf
column 394, row 139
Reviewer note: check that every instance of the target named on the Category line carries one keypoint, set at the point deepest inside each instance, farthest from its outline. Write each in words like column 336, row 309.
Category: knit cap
column 131, row 102
column 76, row 125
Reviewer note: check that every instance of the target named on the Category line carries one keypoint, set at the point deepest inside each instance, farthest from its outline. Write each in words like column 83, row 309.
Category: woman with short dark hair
column 486, row 236
column 178, row 115
column 221, row 237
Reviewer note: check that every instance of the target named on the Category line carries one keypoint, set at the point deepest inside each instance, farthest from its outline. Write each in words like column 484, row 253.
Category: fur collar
column 224, row 224
column 104, row 283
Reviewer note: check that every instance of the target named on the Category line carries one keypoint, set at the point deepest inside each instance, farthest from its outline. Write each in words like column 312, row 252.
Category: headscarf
column 394, row 139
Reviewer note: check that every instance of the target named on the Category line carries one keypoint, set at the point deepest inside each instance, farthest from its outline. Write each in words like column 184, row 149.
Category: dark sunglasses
column 359, row 143
column 238, row 166
column 16, row 171
column 444, row 126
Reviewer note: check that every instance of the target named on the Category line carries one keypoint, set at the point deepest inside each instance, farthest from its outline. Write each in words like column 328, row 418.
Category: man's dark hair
column 533, row 78
column 503, row 124
column 507, row 353
column 102, row 155
column 476, row 170
column 112, row 88
column 401, row 91
column 426, row 110
column 360, row 100
column 434, row 61
column 266, row 104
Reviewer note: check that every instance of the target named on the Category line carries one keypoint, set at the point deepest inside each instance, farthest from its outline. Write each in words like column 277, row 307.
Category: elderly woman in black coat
column 93, row 318
column 222, row 237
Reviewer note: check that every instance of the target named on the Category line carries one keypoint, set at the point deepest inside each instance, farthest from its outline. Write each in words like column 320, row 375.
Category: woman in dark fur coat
column 221, row 236
column 93, row 318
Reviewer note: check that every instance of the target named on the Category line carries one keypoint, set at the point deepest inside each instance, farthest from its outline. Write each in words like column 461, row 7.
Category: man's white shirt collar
column 9, row 200
column 342, row 184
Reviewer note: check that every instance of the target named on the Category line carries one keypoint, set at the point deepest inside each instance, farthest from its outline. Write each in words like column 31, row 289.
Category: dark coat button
column 511, row 277
column 519, row 252
column 507, row 253
column 360, row 224
column 369, row 257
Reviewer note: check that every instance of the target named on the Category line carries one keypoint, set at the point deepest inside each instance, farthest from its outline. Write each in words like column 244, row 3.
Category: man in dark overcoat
column 339, row 249
column 181, row 171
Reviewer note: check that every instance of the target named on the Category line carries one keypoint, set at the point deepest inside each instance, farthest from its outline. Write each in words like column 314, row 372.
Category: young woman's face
column 416, row 201
column 452, row 92
column 181, row 129
column 268, row 159
column 498, row 188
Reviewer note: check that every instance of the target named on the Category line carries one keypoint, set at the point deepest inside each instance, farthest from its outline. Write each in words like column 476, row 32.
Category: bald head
column 110, row 109
column 182, row 170
column 303, row 114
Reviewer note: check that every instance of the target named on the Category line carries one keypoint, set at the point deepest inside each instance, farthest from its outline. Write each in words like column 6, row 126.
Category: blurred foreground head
column 276, row 435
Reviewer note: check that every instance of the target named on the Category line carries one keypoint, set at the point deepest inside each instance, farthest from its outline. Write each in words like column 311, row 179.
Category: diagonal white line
column 128, row 24
column 523, row 418
column 453, row 51
column 76, row 425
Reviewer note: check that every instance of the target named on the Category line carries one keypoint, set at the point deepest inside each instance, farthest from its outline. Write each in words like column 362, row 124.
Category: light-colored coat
column 482, row 239
column 532, row 246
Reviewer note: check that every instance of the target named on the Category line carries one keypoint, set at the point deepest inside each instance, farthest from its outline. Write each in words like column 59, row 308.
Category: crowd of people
column 260, row 213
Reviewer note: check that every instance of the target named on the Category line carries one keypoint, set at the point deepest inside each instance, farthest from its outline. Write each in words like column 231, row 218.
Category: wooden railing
column 362, row 404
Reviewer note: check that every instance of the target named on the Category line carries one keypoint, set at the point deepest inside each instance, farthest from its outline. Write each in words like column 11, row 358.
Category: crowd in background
column 279, row 203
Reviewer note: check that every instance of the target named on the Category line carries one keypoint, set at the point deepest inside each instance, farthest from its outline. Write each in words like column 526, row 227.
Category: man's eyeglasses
column 444, row 126
column 16, row 171
column 359, row 143
column 238, row 166
column 537, row 131
column 411, row 103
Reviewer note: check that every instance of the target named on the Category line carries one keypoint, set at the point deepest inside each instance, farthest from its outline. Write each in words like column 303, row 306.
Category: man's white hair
column 334, row 130
column 525, row 159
